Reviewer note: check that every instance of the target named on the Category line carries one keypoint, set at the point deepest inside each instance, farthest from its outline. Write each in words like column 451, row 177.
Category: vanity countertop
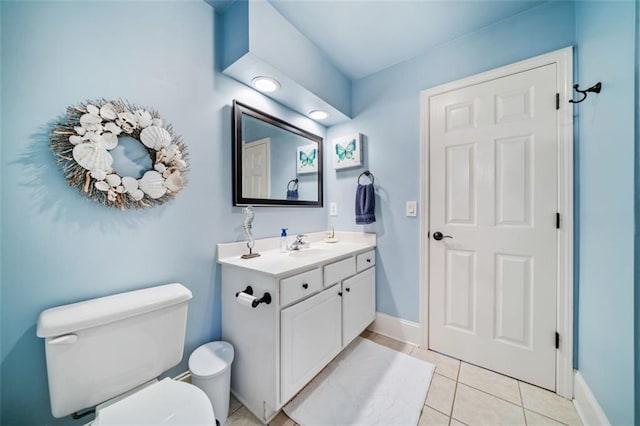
column 274, row 263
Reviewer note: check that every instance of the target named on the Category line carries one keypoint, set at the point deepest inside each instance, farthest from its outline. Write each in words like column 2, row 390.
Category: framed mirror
column 274, row 163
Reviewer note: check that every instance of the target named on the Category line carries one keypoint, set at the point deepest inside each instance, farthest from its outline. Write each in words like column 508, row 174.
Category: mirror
column 275, row 163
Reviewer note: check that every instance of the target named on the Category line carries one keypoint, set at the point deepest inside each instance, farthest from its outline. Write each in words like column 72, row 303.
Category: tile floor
column 460, row 394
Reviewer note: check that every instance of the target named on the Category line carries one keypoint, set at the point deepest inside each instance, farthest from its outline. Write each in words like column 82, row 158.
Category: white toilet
column 110, row 350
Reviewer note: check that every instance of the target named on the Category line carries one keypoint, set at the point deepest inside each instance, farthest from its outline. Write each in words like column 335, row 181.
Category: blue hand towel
column 365, row 204
column 292, row 194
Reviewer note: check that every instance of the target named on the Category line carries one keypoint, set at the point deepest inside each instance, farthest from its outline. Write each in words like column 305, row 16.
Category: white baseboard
column 586, row 404
column 396, row 328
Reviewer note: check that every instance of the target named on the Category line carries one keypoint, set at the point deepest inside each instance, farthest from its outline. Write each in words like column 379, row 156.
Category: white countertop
column 272, row 262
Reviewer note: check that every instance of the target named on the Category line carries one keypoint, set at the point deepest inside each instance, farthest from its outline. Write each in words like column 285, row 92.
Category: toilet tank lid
column 104, row 310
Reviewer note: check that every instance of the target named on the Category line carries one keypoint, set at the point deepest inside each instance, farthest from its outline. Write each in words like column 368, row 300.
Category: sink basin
column 308, row 252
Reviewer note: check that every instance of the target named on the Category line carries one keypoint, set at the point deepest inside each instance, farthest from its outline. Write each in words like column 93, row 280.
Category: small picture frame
column 307, row 159
column 347, row 152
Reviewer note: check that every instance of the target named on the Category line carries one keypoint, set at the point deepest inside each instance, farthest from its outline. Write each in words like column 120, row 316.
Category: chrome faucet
column 299, row 243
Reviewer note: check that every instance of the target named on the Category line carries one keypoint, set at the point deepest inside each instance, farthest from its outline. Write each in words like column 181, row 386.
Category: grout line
column 524, row 414
column 490, row 394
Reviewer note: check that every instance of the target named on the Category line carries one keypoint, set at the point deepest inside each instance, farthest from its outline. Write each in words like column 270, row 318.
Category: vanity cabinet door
column 358, row 304
column 310, row 337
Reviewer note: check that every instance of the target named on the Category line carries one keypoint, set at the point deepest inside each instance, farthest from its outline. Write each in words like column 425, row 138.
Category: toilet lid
column 167, row 402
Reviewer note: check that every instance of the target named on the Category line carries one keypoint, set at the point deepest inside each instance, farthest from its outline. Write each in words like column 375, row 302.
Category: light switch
column 412, row 208
column 333, row 209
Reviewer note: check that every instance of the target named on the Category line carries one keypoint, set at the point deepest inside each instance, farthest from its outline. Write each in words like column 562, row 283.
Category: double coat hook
column 594, row 89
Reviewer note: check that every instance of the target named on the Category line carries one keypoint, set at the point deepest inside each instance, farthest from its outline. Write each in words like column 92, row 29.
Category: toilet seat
column 167, row 402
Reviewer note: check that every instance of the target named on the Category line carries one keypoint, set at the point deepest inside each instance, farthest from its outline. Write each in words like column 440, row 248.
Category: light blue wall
column 386, row 109
column 57, row 246
column 606, row 38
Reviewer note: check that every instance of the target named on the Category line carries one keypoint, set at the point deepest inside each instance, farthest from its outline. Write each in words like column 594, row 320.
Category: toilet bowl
column 167, row 402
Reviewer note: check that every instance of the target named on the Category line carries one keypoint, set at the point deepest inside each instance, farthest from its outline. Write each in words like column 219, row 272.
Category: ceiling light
column 318, row 115
column 266, row 84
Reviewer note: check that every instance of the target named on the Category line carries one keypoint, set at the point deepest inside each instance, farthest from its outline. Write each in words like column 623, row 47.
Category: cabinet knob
column 305, row 286
column 348, row 289
column 368, row 260
column 340, row 293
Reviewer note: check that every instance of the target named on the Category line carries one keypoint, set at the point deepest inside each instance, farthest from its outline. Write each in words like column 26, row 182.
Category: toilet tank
column 101, row 348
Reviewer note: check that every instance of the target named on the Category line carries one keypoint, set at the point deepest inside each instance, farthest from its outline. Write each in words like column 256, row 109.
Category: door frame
column 563, row 59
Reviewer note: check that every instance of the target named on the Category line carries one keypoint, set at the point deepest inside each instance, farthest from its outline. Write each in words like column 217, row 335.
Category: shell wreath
column 81, row 142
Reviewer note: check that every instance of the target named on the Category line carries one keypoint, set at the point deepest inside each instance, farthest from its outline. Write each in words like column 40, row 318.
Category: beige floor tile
column 441, row 392
column 548, row 403
column 535, row 419
column 242, row 417
column 431, row 417
column 455, row 422
column 445, row 365
column 496, row 384
column 281, row 419
column 396, row 345
column 474, row 407
column 234, row 405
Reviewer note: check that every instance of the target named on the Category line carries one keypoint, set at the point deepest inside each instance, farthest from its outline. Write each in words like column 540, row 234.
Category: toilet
column 108, row 353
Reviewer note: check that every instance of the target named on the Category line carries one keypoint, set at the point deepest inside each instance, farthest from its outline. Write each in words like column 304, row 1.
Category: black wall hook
column 595, row 89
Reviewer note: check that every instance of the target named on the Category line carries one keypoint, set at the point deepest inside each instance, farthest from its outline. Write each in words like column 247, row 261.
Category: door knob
column 438, row 236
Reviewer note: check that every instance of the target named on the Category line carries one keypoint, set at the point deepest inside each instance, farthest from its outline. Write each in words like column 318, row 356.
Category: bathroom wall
column 59, row 247
column 606, row 39
column 387, row 111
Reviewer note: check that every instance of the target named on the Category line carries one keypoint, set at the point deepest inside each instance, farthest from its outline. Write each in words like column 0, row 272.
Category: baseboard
column 586, row 404
column 396, row 328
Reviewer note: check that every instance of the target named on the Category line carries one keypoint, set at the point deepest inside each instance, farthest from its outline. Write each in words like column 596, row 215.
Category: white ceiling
column 362, row 37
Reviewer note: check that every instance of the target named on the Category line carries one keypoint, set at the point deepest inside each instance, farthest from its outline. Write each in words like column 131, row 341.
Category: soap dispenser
column 283, row 240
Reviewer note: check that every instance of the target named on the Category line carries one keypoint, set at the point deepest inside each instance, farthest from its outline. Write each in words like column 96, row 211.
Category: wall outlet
column 333, row 209
column 412, row 208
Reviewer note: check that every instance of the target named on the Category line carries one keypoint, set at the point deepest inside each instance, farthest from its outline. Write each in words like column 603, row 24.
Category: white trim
column 563, row 59
column 396, row 328
column 586, row 404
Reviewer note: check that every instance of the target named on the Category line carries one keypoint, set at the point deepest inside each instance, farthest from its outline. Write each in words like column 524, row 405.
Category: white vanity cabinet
column 316, row 310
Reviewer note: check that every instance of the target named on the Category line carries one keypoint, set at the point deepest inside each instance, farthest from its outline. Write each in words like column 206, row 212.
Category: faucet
column 298, row 243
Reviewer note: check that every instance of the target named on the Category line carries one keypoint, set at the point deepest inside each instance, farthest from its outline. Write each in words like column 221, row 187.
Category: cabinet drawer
column 365, row 260
column 300, row 286
column 339, row 271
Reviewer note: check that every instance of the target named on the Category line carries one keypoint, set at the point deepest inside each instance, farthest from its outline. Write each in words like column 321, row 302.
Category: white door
column 311, row 335
column 358, row 304
column 255, row 169
column 493, row 174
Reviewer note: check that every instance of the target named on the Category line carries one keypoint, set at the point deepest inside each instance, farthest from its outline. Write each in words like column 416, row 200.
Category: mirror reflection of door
column 255, row 168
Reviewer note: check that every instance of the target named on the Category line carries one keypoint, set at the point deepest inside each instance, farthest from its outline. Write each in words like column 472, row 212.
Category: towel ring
column 368, row 174
column 295, row 184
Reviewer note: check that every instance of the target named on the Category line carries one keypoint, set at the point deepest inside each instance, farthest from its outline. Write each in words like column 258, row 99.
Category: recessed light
column 266, row 84
column 318, row 115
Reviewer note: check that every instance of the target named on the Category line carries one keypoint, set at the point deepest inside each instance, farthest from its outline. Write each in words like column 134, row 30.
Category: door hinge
column 557, row 220
column 557, row 100
column 557, row 340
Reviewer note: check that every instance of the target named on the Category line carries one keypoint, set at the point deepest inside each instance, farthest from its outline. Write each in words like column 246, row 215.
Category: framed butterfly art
column 347, row 152
column 307, row 159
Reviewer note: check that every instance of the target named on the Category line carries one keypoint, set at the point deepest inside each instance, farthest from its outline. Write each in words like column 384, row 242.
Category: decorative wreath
column 81, row 142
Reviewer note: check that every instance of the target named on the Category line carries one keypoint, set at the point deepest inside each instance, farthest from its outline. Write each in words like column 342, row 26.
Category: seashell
column 160, row 167
column 92, row 156
column 174, row 182
column 144, row 118
column 92, row 109
column 113, row 180
column 130, row 184
column 127, row 121
column 102, row 185
column 113, row 128
column 90, row 121
column 152, row 184
column 166, row 173
column 80, row 130
column 137, row 195
column 109, row 140
column 111, row 195
column 75, row 139
column 98, row 174
column 155, row 137
column 108, row 112
column 181, row 164
column 157, row 122
column 119, row 189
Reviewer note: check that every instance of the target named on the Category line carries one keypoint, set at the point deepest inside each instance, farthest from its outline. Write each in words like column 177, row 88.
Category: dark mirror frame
column 238, row 200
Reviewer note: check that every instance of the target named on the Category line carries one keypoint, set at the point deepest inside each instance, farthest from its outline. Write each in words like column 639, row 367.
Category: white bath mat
column 367, row 384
